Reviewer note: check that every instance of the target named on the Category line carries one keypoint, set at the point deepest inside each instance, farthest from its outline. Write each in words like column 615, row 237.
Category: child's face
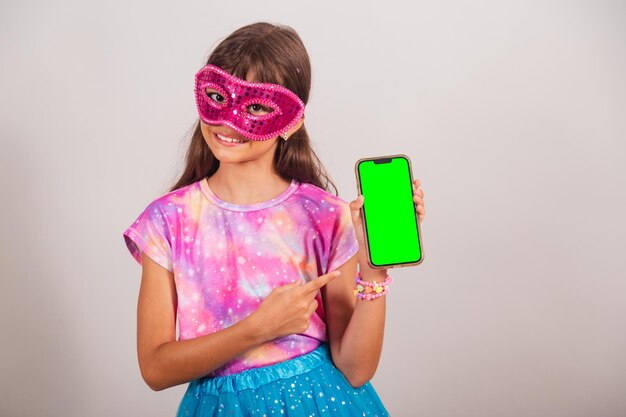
column 247, row 150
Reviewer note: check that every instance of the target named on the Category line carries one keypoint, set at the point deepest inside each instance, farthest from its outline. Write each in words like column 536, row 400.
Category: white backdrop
column 513, row 114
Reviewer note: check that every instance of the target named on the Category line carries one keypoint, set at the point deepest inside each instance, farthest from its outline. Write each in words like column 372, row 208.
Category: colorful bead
column 367, row 290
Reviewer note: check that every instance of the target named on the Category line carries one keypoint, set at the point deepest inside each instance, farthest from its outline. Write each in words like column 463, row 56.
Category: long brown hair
column 276, row 54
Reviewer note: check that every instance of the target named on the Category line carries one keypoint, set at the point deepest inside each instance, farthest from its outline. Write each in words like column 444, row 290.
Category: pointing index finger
column 319, row 282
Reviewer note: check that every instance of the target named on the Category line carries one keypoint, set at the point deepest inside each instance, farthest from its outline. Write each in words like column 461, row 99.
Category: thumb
column 356, row 204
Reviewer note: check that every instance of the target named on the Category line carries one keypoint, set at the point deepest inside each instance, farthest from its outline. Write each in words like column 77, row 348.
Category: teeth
column 225, row 139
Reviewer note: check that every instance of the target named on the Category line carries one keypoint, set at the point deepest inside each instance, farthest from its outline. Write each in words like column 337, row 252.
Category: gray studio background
column 513, row 114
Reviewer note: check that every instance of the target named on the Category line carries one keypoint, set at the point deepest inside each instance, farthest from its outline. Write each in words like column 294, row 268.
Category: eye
column 215, row 96
column 258, row 109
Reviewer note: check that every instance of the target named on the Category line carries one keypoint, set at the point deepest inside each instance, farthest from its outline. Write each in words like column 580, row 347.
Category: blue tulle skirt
column 305, row 386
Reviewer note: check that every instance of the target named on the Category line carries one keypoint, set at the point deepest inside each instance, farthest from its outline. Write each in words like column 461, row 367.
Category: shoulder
column 321, row 199
column 177, row 198
column 172, row 203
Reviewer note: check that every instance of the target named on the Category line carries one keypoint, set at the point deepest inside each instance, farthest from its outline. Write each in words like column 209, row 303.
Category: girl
column 255, row 257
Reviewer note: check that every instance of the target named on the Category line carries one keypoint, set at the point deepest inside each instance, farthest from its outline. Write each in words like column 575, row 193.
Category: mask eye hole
column 214, row 95
column 257, row 109
column 260, row 108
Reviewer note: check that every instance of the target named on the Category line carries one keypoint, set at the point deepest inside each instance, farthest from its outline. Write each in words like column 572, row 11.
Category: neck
column 243, row 183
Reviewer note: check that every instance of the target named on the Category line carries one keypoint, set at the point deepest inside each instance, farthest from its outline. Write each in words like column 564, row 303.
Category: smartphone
column 390, row 222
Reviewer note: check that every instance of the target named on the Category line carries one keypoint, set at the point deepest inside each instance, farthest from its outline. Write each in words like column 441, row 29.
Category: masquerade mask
column 258, row 111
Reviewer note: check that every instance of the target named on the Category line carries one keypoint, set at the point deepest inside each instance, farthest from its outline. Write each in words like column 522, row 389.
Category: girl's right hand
column 288, row 308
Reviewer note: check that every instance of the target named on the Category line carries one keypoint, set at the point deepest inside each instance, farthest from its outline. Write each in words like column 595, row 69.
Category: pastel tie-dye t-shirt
column 226, row 258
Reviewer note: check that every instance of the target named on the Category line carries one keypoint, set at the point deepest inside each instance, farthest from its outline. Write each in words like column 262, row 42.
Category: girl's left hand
column 355, row 208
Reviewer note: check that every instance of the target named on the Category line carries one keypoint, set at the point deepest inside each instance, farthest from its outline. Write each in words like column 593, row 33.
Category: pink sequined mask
column 232, row 103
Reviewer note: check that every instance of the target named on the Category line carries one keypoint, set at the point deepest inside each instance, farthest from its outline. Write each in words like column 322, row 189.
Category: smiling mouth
column 229, row 139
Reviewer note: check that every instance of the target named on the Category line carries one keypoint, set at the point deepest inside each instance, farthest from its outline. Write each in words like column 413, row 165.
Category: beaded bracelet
column 370, row 290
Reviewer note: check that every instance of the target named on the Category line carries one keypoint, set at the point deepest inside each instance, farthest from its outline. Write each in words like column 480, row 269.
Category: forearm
column 181, row 361
column 362, row 342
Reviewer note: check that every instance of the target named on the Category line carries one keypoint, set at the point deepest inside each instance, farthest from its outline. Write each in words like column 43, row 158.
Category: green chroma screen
column 389, row 211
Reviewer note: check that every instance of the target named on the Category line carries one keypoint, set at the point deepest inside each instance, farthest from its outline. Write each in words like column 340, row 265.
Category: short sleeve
column 344, row 243
column 150, row 234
